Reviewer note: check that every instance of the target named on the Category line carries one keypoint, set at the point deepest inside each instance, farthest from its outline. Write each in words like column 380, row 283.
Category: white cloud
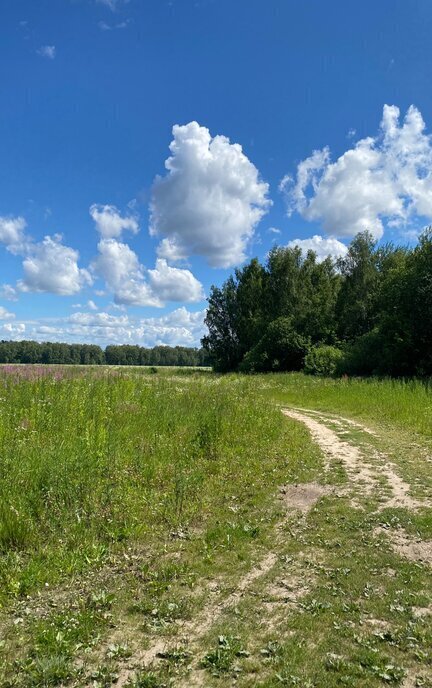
column 91, row 304
column 119, row 266
column 112, row 4
column 52, row 267
column 49, row 265
column 104, row 26
column 48, row 51
column 5, row 314
column 99, row 319
column 180, row 327
column 173, row 284
column 12, row 233
column 321, row 246
column 12, row 330
column 210, row 200
column 125, row 277
column 110, row 223
column 8, row 292
column 385, row 180
column 274, row 230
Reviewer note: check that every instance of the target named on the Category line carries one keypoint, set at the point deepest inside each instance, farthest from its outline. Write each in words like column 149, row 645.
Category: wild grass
column 406, row 404
column 89, row 463
column 125, row 493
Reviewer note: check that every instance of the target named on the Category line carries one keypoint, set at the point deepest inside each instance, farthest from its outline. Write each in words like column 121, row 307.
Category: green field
column 176, row 529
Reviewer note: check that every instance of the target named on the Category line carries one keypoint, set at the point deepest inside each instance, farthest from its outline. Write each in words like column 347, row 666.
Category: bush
column 323, row 360
column 364, row 356
column 281, row 348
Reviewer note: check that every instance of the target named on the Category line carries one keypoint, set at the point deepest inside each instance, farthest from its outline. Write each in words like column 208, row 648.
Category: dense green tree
column 91, row 354
column 222, row 342
column 280, row 348
column 375, row 303
column 356, row 307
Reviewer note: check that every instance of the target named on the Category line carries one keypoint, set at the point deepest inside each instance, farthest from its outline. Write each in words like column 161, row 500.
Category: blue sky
column 95, row 247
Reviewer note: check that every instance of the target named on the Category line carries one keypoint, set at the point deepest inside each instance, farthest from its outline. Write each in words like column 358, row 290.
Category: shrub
column 364, row 356
column 323, row 360
column 281, row 348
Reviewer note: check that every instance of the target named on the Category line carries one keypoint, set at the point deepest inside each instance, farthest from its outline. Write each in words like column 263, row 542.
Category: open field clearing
column 185, row 529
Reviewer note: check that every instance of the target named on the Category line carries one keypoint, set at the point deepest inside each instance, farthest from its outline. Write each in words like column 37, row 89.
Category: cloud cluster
column 173, row 284
column 104, row 26
column 5, row 314
column 48, row 51
column 124, row 276
column 109, row 221
column 321, row 246
column 53, row 267
column 8, row 292
column 49, row 265
column 132, row 285
column 383, row 180
column 12, row 233
column 112, row 4
column 11, row 330
column 210, row 200
column 180, row 327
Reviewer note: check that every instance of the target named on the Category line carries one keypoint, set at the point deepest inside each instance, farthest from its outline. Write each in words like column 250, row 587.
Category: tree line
column 369, row 312
column 91, row 354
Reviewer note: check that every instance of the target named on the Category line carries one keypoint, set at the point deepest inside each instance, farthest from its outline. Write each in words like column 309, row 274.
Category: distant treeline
column 369, row 312
column 91, row 354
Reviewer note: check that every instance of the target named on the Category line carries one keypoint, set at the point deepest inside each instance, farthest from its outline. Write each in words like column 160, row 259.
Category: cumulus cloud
column 99, row 319
column 112, row 4
column 132, row 285
column 180, row 327
column 8, row 292
column 50, row 266
column 321, row 246
column 5, row 314
column 383, row 180
column 48, row 51
column 120, row 268
column 104, row 26
column 210, row 200
column 110, row 223
column 11, row 330
column 12, row 233
column 173, row 284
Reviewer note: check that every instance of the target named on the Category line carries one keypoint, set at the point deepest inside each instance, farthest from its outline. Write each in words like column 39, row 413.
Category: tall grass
column 406, row 404
column 90, row 462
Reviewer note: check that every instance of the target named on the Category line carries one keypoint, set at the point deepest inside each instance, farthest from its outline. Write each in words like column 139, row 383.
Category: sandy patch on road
column 406, row 546
column 335, row 448
column 354, row 461
column 303, row 496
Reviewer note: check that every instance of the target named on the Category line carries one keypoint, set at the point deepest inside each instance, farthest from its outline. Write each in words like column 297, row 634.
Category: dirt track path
column 364, row 469
column 371, row 476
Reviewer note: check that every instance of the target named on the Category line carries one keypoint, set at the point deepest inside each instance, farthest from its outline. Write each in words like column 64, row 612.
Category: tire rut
column 361, row 473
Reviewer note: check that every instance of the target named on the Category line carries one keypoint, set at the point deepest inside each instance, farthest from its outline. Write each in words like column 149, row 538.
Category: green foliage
column 221, row 660
column 222, row 342
column 375, row 303
column 357, row 306
column 89, row 354
column 281, row 348
column 92, row 462
column 323, row 360
column 289, row 287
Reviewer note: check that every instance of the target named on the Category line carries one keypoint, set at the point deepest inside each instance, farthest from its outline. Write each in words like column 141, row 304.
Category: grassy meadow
column 130, row 499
